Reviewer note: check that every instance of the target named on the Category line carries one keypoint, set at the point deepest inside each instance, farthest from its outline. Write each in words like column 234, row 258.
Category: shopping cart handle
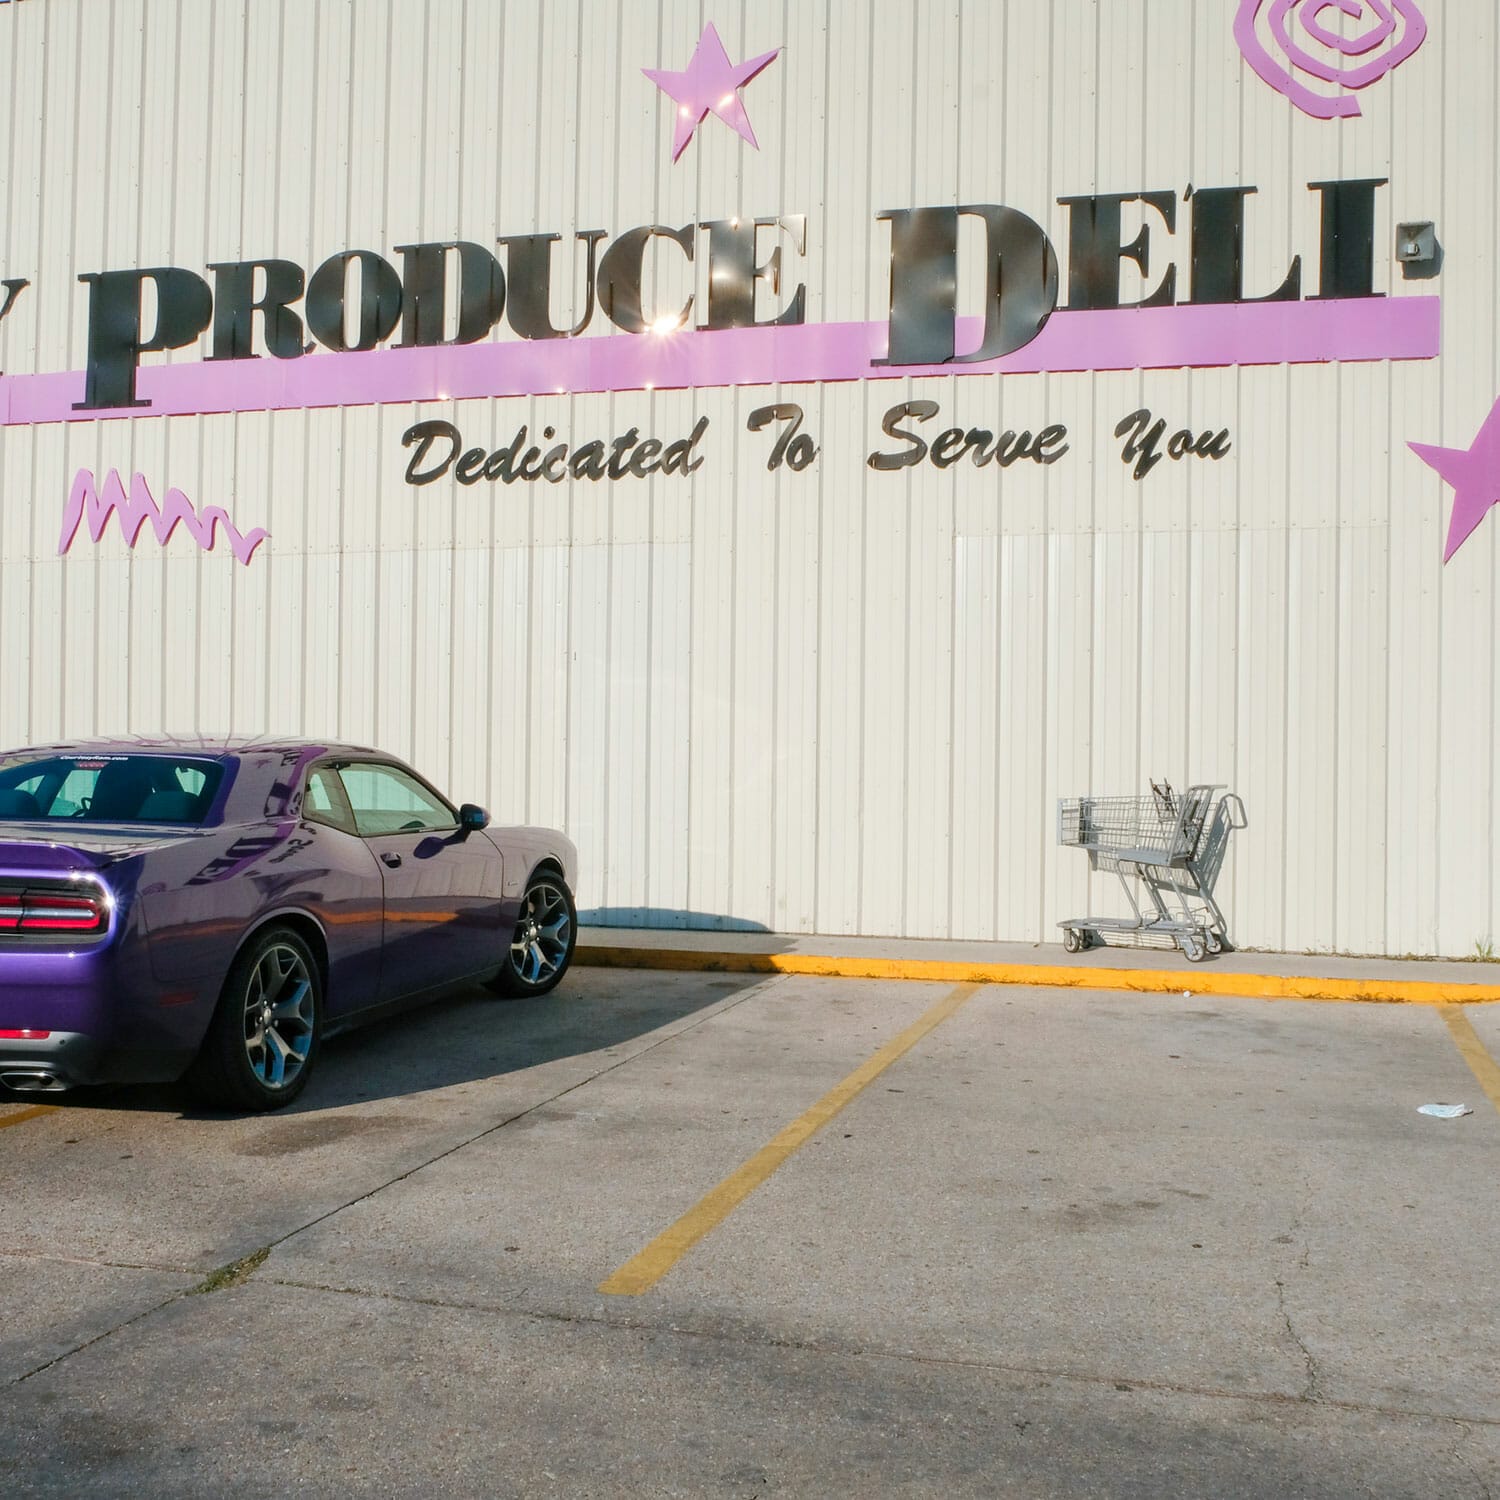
column 1234, row 810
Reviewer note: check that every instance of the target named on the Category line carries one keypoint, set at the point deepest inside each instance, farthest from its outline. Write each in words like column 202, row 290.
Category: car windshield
column 108, row 788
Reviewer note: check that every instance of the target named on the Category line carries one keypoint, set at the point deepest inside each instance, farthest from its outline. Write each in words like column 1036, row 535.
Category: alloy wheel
column 280, row 1016
column 543, row 935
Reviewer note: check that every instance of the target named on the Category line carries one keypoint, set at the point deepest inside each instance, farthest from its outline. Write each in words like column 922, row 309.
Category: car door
column 443, row 892
column 350, row 899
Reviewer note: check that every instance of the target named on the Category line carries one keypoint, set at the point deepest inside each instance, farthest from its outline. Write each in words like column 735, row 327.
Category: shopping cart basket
column 1172, row 846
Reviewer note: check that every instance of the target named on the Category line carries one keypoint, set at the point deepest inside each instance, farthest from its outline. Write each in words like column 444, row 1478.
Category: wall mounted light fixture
column 1418, row 251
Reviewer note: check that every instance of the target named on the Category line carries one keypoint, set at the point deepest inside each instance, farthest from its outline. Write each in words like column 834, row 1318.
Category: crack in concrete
column 98, row 1338
column 1310, row 1390
column 259, row 1254
column 99, row 1263
column 1310, row 1363
column 891, row 1356
column 1461, row 1456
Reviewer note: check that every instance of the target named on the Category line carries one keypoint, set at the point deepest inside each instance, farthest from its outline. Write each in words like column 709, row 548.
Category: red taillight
column 48, row 913
column 24, row 1036
column 51, row 911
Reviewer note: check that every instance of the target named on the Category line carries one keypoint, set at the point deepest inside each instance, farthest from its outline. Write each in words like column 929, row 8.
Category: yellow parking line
column 21, row 1116
column 1472, row 1050
column 643, row 1271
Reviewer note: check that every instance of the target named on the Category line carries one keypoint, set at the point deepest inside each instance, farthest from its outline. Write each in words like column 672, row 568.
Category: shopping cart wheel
column 1071, row 941
column 1193, row 950
column 1214, row 943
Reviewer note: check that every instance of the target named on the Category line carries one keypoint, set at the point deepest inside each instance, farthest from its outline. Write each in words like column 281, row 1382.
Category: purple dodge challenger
column 215, row 908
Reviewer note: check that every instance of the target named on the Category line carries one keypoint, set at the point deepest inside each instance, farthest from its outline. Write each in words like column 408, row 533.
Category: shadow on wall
column 665, row 918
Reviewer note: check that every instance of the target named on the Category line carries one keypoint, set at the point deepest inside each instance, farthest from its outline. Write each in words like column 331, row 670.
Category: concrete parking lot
column 853, row 1237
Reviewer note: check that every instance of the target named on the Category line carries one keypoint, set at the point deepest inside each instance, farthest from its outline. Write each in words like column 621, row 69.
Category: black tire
column 541, row 947
column 246, row 1062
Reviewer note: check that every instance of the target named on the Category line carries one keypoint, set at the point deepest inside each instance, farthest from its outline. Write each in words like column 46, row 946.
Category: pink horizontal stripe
column 1129, row 339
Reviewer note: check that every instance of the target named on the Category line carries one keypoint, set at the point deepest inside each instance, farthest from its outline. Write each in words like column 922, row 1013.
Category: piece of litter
column 1187, row 994
column 1444, row 1111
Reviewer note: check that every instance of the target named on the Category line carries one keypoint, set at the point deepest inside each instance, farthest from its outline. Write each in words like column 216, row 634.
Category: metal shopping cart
column 1172, row 845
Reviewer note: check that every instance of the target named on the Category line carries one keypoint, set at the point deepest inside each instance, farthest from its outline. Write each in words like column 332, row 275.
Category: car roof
column 217, row 746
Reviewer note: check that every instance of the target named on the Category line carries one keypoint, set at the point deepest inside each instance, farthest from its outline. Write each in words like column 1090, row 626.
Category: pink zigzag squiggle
column 136, row 507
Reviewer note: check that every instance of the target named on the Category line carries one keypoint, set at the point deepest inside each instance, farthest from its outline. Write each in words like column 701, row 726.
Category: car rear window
column 108, row 788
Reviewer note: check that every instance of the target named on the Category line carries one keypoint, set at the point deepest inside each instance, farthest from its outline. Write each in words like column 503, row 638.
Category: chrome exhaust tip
column 32, row 1081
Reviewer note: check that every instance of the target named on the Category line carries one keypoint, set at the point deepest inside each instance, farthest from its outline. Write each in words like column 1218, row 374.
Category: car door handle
column 391, row 858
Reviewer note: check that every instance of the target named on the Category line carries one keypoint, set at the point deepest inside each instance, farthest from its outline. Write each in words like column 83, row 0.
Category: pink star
column 1474, row 473
column 710, row 82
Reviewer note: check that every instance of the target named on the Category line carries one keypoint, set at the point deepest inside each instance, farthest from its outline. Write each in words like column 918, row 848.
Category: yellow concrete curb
column 1201, row 980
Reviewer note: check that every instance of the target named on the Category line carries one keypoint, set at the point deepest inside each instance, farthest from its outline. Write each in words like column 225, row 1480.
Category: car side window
column 324, row 801
column 386, row 799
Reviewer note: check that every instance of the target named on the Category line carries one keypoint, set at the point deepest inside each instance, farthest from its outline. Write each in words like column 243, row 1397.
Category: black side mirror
column 472, row 817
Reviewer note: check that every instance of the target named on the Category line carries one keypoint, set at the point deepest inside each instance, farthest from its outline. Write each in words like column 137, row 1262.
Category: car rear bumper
column 49, row 1061
column 92, row 1015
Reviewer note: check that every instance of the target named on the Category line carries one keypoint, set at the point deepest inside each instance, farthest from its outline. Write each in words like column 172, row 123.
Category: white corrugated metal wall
column 840, row 700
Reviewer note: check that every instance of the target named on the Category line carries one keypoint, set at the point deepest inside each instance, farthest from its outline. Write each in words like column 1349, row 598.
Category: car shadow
column 474, row 1037
column 469, row 1036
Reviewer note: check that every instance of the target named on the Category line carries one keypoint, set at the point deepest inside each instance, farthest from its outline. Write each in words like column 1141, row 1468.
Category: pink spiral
column 1291, row 46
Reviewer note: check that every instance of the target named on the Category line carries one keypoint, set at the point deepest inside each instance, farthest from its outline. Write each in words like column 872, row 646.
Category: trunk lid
column 47, row 850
